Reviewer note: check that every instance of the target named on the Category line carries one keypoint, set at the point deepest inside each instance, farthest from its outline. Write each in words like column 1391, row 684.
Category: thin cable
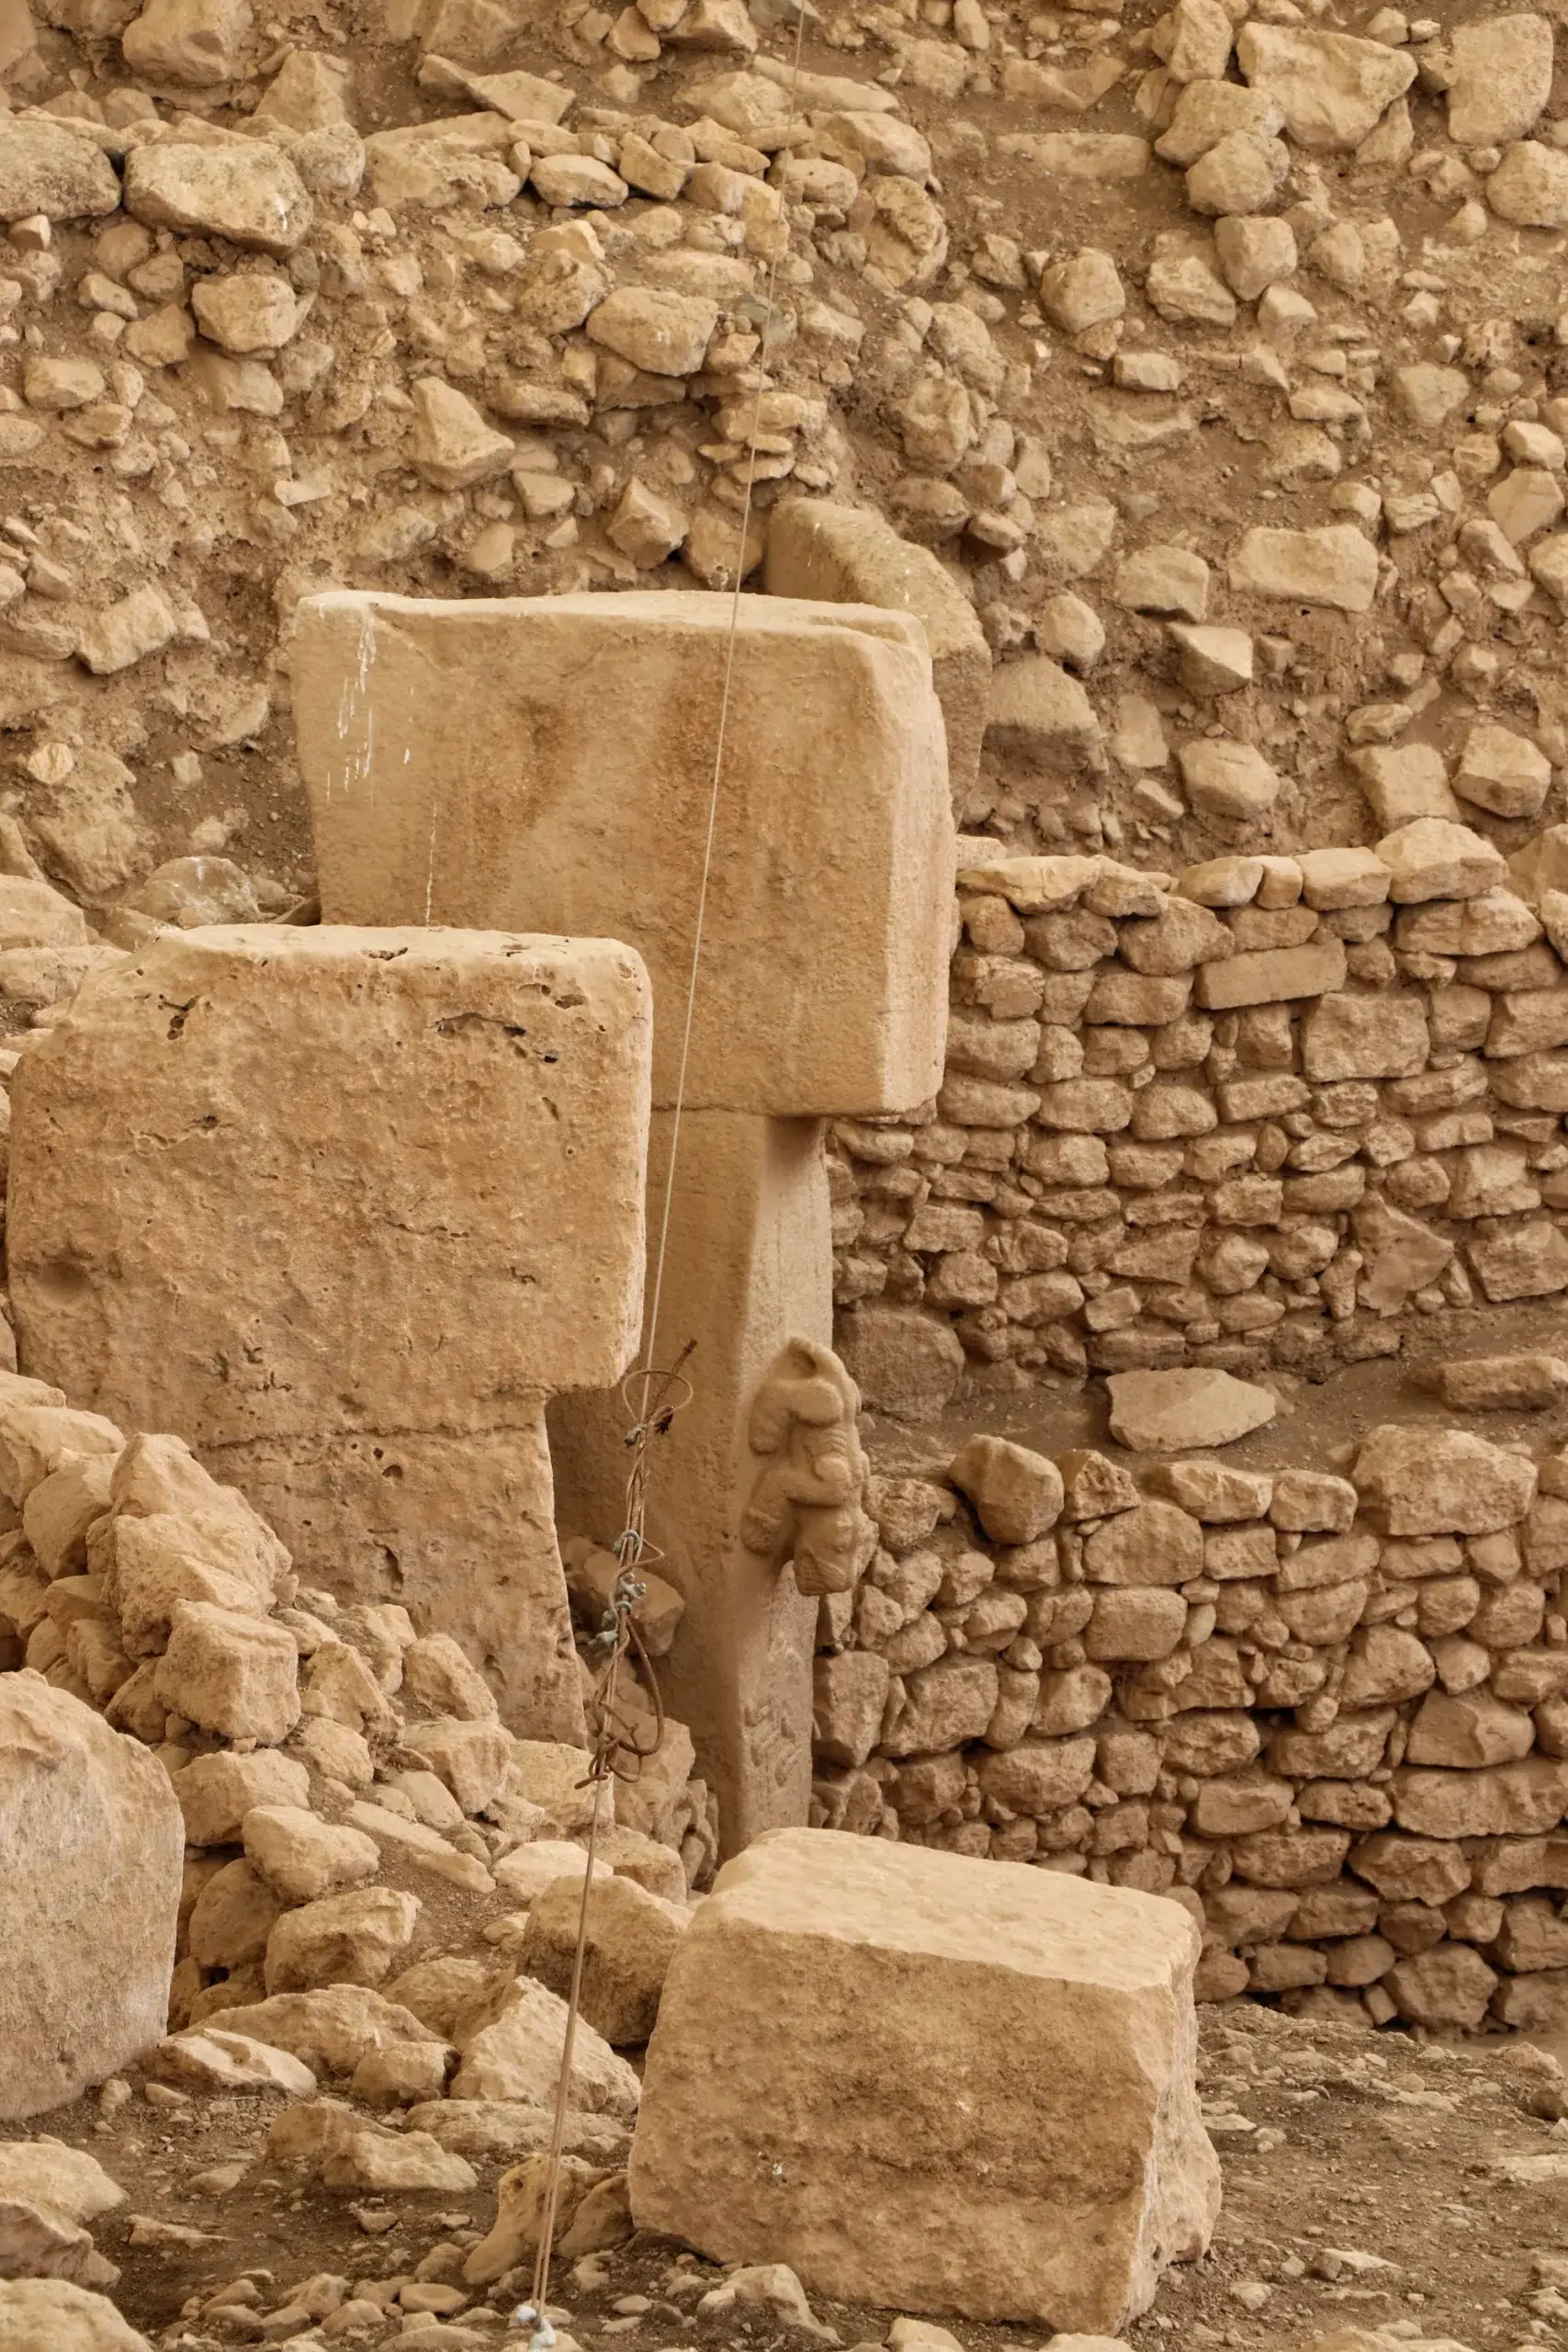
column 779, row 251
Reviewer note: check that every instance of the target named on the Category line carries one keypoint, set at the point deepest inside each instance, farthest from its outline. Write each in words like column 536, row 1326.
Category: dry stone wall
column 1253, row 1113
column 1328, row 1714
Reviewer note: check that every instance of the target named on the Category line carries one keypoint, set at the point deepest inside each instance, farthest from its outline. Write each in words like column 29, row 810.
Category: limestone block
column 1024, row 2132
column 512, row 2048
column 216, row 1792
column 343, row 1186
column 328, row 2030
column 231, row 1673
column 1443, row 1482
column 54, row 2315
column 575, row 810
column 91, row 1845
column 341, row 1939
column 631, row 1939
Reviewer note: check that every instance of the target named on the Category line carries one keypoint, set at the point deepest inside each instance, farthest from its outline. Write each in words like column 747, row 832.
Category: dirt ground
column 1370, row 2181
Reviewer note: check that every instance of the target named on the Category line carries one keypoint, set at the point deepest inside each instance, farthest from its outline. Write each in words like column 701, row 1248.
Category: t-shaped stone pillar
column 550, row 762
column 345, row 1207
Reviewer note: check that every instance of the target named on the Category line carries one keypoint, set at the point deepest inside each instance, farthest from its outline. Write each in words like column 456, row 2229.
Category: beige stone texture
column 54, row 2315
column 377, row 1155
column 749, row 1263
column 583, row 809
column 631, row 1939
column 91, row 1843
column 352, row 1266
column 850, row 555
column 842, row 2009
column 459, row 1528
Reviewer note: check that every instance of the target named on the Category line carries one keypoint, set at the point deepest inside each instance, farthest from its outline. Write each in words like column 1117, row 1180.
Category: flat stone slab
column 1167, row 1412
column 271, row 1183
column 574, row 797
column 931, row 2082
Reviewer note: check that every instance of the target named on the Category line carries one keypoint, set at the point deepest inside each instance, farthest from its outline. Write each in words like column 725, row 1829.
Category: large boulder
column 51, row 2315
column 91, row 1849
column 999, row 2062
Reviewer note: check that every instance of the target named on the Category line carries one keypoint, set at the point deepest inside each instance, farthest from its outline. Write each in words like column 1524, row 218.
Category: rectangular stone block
column 1272, row 976
column 850, row 555
column 574, row 794
column 930, row 2082
column 271, row 1184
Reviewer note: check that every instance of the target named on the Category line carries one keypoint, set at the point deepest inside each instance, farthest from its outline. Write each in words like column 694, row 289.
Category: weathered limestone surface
column 91, row 1846
column 1002, row 2062
column 322, row 1196
column 574, row 798
column 851, row 554
column 749, row 1261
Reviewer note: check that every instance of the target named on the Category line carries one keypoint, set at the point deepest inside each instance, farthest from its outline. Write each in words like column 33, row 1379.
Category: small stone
column 1254, row 255
column 1502, row 771
column 122, row 634
column 511, row 2050
column 1403, row 781
column 1036, row 708
column 212, row 2060
column 1225, row 779
column 664, row 333
column 1330, row 88
column 1213, row 660
column 1017, row 1493
column 450, row 444
column 1209, row 111
column 246, row 313
column 341, row 1939
column 577, row 179
column 1511, row 1383
column 303, row 1856
column 631, row 1939
column 1171, row 1412
column 194, row 42
column 1530, row 187
column 1337, row 566
column 48, row 170
column 1443, row 1482
column 1500, row 78
column 646, row 527
column 249, row 193
column 234, row 1674
column 1082, row 292
column 1433, row 859
column 1241, row 176
column 1168, row 581
column 1183, row 286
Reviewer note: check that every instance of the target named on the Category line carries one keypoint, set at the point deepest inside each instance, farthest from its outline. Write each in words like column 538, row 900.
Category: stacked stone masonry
column 1251, row 1113
column 1328, row 1714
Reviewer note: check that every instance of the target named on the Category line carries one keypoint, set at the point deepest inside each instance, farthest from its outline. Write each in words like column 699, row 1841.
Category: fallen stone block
column 1166, row 1412
column 631, row 1939
column 51, row 2315
column 91, row 1848
column 1001, row 2062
